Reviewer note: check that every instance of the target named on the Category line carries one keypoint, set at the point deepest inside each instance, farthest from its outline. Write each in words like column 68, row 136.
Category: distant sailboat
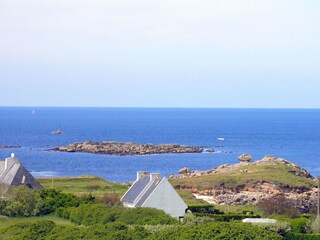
column 33, row 112
column 220, row 139
column 58, row 131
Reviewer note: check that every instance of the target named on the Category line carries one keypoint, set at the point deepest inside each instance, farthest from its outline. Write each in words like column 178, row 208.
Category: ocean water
column 291, row 134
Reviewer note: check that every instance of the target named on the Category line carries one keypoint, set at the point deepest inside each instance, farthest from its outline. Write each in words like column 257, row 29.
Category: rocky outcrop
column 245, row 158
column 184, row 170
column 251, row 190
column 1, row 146
column 126, row 148
column 304, row 201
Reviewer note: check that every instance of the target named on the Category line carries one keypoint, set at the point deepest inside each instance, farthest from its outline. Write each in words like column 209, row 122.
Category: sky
column 168, row 53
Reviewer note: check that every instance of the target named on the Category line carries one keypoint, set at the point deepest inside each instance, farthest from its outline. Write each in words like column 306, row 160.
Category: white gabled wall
column 164, row 197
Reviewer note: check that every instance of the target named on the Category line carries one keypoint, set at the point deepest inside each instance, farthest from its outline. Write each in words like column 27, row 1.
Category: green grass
column 239, row 209
column 84, row 185
column 275, row 173
column 189, row 198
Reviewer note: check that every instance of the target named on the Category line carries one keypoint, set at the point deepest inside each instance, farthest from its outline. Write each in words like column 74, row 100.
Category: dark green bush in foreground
column 204, row 209
column 300, row 236
column 90, row 214
column 24, row 202
column 47, row 230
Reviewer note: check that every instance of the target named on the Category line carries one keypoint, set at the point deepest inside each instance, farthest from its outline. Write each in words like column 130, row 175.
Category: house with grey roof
column 13, row 173
column 154, row 191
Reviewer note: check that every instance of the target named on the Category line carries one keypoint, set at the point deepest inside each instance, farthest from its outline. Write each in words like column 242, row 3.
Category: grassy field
column 277, row 173
column 84, row 185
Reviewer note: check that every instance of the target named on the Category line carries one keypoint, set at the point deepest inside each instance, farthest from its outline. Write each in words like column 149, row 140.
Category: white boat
column 220, row 139
column 58, row 131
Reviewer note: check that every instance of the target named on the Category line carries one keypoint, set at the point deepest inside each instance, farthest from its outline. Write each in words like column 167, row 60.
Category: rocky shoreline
column 127, row 148
column 4, row 146
column 252, row 192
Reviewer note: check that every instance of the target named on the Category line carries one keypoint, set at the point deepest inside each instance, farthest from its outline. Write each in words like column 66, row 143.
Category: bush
column 280, row 227
column 111, row 200
column 24, row 202
column 301, row 236
column 216, row 231
column 90, row 214
column 189, row 218
column 313, row 225
column 47, row 230
column 299, row 225
column 209, row 209
column 51, row 200
column 226, row 217
column 279, row 205
column 19, row 202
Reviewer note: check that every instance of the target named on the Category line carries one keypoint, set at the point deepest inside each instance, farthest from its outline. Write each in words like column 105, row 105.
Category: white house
column 154, row 191
column 13, row 173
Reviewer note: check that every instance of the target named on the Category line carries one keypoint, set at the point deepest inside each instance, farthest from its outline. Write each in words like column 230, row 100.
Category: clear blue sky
column 162, row 53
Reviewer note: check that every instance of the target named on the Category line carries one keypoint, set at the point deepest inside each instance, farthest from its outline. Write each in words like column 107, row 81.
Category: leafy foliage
column 19, row 201
column 90, row 214
column 24, row 202
column 46, row 230
column 279, row 205
column 216, row 230
column 209, row 209
column 280, row 227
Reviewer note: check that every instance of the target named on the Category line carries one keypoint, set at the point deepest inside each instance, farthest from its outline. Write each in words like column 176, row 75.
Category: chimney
column 154, row 176
column 140, row 174
column 9, row 162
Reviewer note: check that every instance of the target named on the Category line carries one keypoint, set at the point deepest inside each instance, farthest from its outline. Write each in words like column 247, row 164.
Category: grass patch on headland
column 249, row 175
column 189, row 199
column 84, row 185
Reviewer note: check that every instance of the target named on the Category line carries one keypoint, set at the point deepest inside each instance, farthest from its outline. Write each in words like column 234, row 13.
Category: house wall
column 165, row 198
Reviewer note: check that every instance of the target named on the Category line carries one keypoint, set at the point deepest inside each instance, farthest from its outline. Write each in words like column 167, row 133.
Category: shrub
column 279, row 205
column 209, row 209
column 189, row 218
column 299, row 225
column 226, row 217
column 313, row 225
column 90, row 214
column 47, row 230
column 280, row 227
column 19, row 201
column 51, row 200
column 216, row 231
column 301, row 236
column 111, row 200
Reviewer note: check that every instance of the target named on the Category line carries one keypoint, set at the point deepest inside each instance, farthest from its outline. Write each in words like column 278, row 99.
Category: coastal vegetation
column 270, row 170
column 84, row 185
column 253, row 183
column 89, row 207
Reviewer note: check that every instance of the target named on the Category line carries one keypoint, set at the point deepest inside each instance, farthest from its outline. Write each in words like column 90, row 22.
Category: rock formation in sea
column 127, row 148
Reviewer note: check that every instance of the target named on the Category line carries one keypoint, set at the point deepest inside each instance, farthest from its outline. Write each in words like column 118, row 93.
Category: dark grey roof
column 148, row 192
column 15, row 174
column 136, row 189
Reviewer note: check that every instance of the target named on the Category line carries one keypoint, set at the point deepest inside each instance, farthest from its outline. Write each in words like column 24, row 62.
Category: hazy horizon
column 161, row 54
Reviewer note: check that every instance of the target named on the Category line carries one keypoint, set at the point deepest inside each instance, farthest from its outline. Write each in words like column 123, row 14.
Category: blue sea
column 291, row 134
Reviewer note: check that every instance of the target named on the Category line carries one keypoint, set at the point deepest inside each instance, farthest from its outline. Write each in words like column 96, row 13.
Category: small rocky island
column 5, row 146
column 127, row 148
